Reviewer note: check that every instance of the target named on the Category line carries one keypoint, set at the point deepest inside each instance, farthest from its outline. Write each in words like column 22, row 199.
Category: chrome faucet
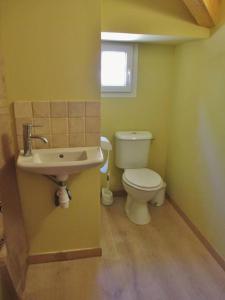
column 27, row 138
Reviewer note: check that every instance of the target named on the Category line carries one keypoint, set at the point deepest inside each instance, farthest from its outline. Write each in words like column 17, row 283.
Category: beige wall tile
column 76, row 109
column 60, row 141
column 23, row 109
column 20, row 122
column 93, row 109
column 20, row 142
column 4, row 110
column 5, row 125
column 93, row 125
column 59, row 125
column 77, row 140
column 41, row 109
column 59, row 109
column 38, row 144
column 76, row 125
column 61, row 130
column 92, row 139
column 45, row 126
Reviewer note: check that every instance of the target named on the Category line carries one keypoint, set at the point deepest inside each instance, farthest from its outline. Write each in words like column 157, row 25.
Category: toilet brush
column 107, row 195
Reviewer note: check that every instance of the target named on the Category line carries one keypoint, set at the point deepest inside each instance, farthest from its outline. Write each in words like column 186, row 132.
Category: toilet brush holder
column 107, row 196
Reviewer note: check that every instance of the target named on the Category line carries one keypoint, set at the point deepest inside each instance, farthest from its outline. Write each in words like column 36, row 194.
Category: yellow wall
column 157, row 17
column 196, row 160
column 51, row 51
column 147, row 111
column 51, row 229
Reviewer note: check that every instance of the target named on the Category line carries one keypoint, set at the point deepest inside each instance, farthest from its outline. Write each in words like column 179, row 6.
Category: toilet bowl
column 142, row 186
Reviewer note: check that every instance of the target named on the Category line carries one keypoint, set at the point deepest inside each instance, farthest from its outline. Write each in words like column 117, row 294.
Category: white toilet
column 141, row 184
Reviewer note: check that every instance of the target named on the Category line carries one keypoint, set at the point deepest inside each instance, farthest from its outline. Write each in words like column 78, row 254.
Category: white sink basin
column 60, row 162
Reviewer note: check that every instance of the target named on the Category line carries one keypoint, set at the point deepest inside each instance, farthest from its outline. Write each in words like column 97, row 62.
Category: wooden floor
column 159, row 261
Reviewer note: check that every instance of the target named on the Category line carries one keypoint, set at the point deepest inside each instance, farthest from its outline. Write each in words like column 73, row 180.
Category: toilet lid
column 142, row 178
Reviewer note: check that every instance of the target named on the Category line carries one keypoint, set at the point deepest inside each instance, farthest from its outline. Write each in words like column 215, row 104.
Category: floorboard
column 160, row 261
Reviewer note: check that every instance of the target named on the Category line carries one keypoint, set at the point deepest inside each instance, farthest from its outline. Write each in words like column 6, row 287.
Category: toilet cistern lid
column 133, row 135
column 143, row 178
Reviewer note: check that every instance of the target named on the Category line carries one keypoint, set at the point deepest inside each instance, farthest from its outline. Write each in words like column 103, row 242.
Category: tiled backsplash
column 65, row 124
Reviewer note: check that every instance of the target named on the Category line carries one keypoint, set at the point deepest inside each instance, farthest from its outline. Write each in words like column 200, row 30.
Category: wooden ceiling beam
column 205, row 12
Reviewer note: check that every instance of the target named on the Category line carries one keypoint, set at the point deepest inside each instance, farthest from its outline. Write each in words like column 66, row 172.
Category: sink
column 60, row 162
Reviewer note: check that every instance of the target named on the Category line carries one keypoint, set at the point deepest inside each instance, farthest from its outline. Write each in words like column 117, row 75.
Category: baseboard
column 199, row 235
column 64, row 255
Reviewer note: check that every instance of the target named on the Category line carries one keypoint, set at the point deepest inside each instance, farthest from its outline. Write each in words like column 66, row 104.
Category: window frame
column 132, row 60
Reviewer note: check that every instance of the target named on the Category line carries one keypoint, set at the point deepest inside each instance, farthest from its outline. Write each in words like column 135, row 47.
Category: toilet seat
column 142, row 179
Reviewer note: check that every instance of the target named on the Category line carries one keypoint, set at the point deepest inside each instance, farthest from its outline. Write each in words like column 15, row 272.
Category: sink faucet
column 27, row 138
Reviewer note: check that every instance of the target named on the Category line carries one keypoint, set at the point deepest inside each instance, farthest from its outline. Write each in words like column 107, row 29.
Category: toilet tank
column 132, row 149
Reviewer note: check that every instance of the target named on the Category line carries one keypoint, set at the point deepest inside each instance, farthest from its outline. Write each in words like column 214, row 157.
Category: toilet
column 142, row 184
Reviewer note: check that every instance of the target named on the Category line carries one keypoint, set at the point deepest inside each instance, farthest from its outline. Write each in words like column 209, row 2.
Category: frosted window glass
column 114, row 68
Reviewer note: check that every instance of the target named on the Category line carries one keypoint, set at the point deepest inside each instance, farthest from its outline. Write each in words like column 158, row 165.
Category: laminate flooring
column 160, row 261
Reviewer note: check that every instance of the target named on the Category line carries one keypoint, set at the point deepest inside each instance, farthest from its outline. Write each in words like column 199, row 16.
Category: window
column 118, row 69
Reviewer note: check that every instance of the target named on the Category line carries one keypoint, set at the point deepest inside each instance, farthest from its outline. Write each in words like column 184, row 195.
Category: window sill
column 119, row 95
